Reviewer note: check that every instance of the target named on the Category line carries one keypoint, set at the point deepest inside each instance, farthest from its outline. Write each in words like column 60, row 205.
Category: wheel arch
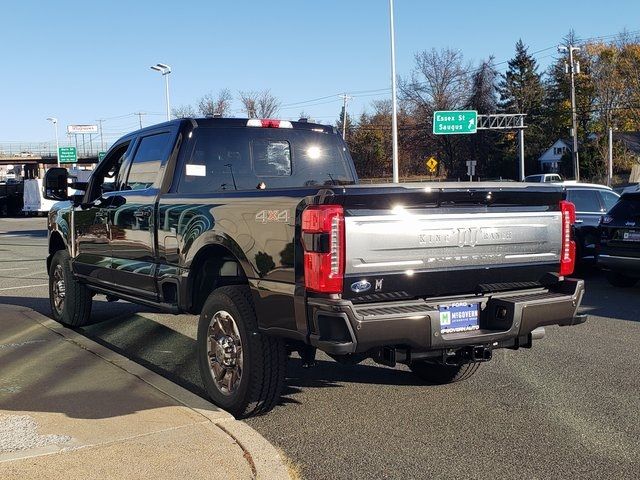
column 213, row 266
column 56, row 243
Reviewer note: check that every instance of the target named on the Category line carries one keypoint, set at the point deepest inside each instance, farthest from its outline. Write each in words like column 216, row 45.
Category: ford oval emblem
column 361, row 286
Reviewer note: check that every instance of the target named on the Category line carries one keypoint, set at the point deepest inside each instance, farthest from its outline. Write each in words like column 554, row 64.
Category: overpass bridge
column 21, row 153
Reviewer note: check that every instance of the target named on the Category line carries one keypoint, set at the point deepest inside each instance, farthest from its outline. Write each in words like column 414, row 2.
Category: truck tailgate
column 408, row 241
column 417, row 241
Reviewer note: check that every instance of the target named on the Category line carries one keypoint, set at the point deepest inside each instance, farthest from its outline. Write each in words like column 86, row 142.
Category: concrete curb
column 263, row 457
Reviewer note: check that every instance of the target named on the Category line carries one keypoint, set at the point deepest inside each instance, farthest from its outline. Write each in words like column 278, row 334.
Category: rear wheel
column 437, row 374
column 620, row 280
column 70, row 300
column 242, row 370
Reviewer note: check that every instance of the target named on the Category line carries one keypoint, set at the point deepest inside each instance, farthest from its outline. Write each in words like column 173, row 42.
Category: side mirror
column 56, row 184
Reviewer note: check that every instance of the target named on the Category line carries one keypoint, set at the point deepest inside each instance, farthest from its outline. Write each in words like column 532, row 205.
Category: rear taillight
column 323, row 241
column 568, row 250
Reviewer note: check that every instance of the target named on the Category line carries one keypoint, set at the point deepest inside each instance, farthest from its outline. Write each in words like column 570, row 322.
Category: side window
column 145, row 166
column 609, row 199
column 219, row 161
column 113, row 175
column 108, row 173
column 584, row 200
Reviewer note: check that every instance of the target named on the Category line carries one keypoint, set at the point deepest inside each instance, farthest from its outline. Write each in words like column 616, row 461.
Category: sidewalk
column 73, row 409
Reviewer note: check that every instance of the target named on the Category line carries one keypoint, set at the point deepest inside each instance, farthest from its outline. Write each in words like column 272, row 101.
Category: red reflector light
column 323, row 241
column 568, row 246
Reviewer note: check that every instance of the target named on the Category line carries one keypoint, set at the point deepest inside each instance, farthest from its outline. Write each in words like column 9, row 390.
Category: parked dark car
column 592, row 201
column 619, row 252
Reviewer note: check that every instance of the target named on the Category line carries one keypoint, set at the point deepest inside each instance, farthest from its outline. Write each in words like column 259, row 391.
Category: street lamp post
column 165, row 70
column 394, row 103
column 54, row 120
column 574, row 119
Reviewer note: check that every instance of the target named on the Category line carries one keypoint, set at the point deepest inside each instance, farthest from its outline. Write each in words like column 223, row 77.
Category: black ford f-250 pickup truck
column 261, row 228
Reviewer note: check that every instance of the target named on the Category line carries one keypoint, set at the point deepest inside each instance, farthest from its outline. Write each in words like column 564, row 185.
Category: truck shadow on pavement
column 126, row 330
column 41, row 233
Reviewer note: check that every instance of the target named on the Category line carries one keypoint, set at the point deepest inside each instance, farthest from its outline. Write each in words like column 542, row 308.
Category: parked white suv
column 543, row 177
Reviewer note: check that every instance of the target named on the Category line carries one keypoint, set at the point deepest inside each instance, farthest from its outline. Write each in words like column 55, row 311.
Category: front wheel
column 620, row 280
column 70, row 300
column 242, row 369
column 437, row 374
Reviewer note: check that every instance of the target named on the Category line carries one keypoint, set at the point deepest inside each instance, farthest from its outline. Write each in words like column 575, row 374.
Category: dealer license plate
column 459, row 317
column 631, row 236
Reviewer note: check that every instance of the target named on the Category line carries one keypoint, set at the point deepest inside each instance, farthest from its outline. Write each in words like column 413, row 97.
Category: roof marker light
column 269, row 123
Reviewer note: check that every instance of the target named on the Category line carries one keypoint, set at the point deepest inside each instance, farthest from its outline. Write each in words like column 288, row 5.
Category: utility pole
column 573, row 67
column 394, row 103
column 140, row 114
column 345, row 98
column 610, row 166
column 100, row 120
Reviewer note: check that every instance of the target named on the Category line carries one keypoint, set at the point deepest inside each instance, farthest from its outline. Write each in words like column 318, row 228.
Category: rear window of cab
column 236, row 159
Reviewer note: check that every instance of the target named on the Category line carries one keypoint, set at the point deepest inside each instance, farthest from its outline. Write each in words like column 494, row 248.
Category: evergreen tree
column 521, row 91
column 484, row 146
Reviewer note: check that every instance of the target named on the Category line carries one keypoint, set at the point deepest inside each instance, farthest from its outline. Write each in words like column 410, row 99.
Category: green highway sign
column 67, row 155
column 101, row 155
column 455, row 121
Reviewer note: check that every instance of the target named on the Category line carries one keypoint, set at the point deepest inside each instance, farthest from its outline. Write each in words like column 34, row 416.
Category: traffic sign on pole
column 68, row 155
column 451, row 122
column 432, row 163
column 471, row 168
column 101, row 155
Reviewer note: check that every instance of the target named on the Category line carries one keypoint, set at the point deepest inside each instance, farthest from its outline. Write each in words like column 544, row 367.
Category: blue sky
column 80, row 61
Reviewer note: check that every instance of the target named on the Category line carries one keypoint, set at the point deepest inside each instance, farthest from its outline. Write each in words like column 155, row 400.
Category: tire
column 436, row 374
column 620, row 280
column 74, row 308
column 250, row 379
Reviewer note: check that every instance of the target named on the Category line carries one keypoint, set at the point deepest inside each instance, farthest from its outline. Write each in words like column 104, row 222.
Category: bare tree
column 260, row 104
column 439, row 81
column 183, row 111
column 249, row 103
column 268, row 105
column 219, row 106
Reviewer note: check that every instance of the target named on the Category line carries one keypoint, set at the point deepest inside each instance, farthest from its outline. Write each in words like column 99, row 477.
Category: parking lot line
column 24, row 286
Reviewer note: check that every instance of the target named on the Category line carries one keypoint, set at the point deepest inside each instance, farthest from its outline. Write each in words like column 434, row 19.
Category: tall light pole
column 394, row 103
column 165, row 70
column 573, row 69
column 54, row 120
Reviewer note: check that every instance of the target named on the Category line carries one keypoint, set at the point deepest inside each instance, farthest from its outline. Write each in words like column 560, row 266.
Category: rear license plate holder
column 631, row 236
column 459, row 317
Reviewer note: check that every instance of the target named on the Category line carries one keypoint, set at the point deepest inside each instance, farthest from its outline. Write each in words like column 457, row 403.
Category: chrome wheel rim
column 224, row 352
column 58, row 288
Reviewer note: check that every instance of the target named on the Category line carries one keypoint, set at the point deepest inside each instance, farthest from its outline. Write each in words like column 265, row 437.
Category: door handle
column 579, row 221
column 142, row 213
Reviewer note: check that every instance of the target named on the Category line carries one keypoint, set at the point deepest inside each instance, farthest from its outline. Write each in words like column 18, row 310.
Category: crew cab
column 261, row 228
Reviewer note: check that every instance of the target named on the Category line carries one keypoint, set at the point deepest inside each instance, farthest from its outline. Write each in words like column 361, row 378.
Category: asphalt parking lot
column 567, row 408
